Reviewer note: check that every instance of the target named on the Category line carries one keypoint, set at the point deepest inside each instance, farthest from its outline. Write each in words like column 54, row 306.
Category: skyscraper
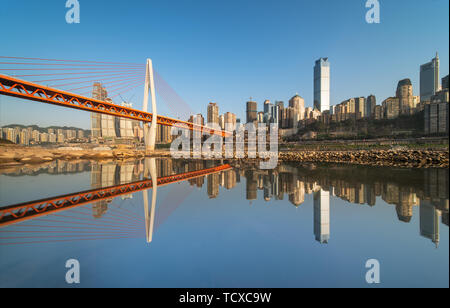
column 230, row 119
column 429, row 79
column 213, row 113
column 322, row 85
column 98, row 93
column 405, row 96
column 252, row 111
column 360, row 107
column 275, row 114
column 298, row 103
column 125, row 127
column 108, row 125
column 371, row 103
column 267, row 111
column 197, row 119
column 222, row 121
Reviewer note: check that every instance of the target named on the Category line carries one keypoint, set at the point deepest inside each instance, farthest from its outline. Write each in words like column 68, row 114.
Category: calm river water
column 300, row 225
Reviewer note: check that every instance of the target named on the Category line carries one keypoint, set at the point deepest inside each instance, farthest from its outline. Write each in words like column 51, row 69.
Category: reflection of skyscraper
column 126, row 176
column 230, row 179
column 429, row 221
column 98, row 208
column 213, row 185
column 251, row 186
column 297, row 197
column 267, row 188
column 445, row 218
column 322, row 216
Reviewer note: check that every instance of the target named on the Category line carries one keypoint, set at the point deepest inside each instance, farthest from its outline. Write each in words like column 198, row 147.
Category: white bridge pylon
column 150, row 131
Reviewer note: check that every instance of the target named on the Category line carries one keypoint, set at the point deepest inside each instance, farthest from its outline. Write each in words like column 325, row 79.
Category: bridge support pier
column 150, row 131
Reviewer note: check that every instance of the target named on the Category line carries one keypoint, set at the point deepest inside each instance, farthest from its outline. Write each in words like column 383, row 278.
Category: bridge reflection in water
column 104, row 175
column 405, row 189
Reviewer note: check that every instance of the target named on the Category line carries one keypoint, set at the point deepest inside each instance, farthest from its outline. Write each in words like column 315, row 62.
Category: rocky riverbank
column 16, row 155
column 397, row 158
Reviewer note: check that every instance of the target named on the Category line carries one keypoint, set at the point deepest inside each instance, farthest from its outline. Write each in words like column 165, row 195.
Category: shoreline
column 16, row 156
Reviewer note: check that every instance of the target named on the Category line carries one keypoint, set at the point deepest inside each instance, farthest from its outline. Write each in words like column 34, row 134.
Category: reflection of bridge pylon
column 150, row 167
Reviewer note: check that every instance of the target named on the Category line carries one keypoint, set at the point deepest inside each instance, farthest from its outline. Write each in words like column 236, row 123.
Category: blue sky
column 228, row 51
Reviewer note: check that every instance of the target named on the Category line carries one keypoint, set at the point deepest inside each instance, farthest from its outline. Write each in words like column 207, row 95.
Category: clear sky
column 228, row 51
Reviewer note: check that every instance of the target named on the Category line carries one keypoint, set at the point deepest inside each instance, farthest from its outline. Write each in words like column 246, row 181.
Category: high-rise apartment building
column 197, row 119
column 275, row 114
column 405, row 96
column 252, row 111
column 230, row 119
column 298, row 103
column 267, row 111
column 125, row 127
column 391, row 107
column 108, row 124
column 436, row 112
column 98, row 93
column 163, row 134
column 360, row 107
column 322, row 85
column 260, row 117
column 11, row 135
column 24, row 137
column 222, row 121
column 371, row 103
column 213, row 113
column 429, row 79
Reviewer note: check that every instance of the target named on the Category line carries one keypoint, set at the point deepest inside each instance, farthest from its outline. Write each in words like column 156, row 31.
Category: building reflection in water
column 402, row 188
column 322, row 216
column 405, row 189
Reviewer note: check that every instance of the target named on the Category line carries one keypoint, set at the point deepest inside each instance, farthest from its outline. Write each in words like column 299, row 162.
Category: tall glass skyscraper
column 429, row 79
column 322, row 85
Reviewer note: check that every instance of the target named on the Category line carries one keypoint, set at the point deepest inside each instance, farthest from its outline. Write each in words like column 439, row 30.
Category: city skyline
column 277, row 79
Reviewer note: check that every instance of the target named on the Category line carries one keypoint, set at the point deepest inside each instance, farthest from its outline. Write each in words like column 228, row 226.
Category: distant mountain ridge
column 45, row 129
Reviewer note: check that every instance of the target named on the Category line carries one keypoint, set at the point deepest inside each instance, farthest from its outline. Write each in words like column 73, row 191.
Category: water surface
column 300, row 225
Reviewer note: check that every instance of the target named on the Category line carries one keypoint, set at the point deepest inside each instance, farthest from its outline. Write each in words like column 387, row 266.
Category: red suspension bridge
column 121, row 78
